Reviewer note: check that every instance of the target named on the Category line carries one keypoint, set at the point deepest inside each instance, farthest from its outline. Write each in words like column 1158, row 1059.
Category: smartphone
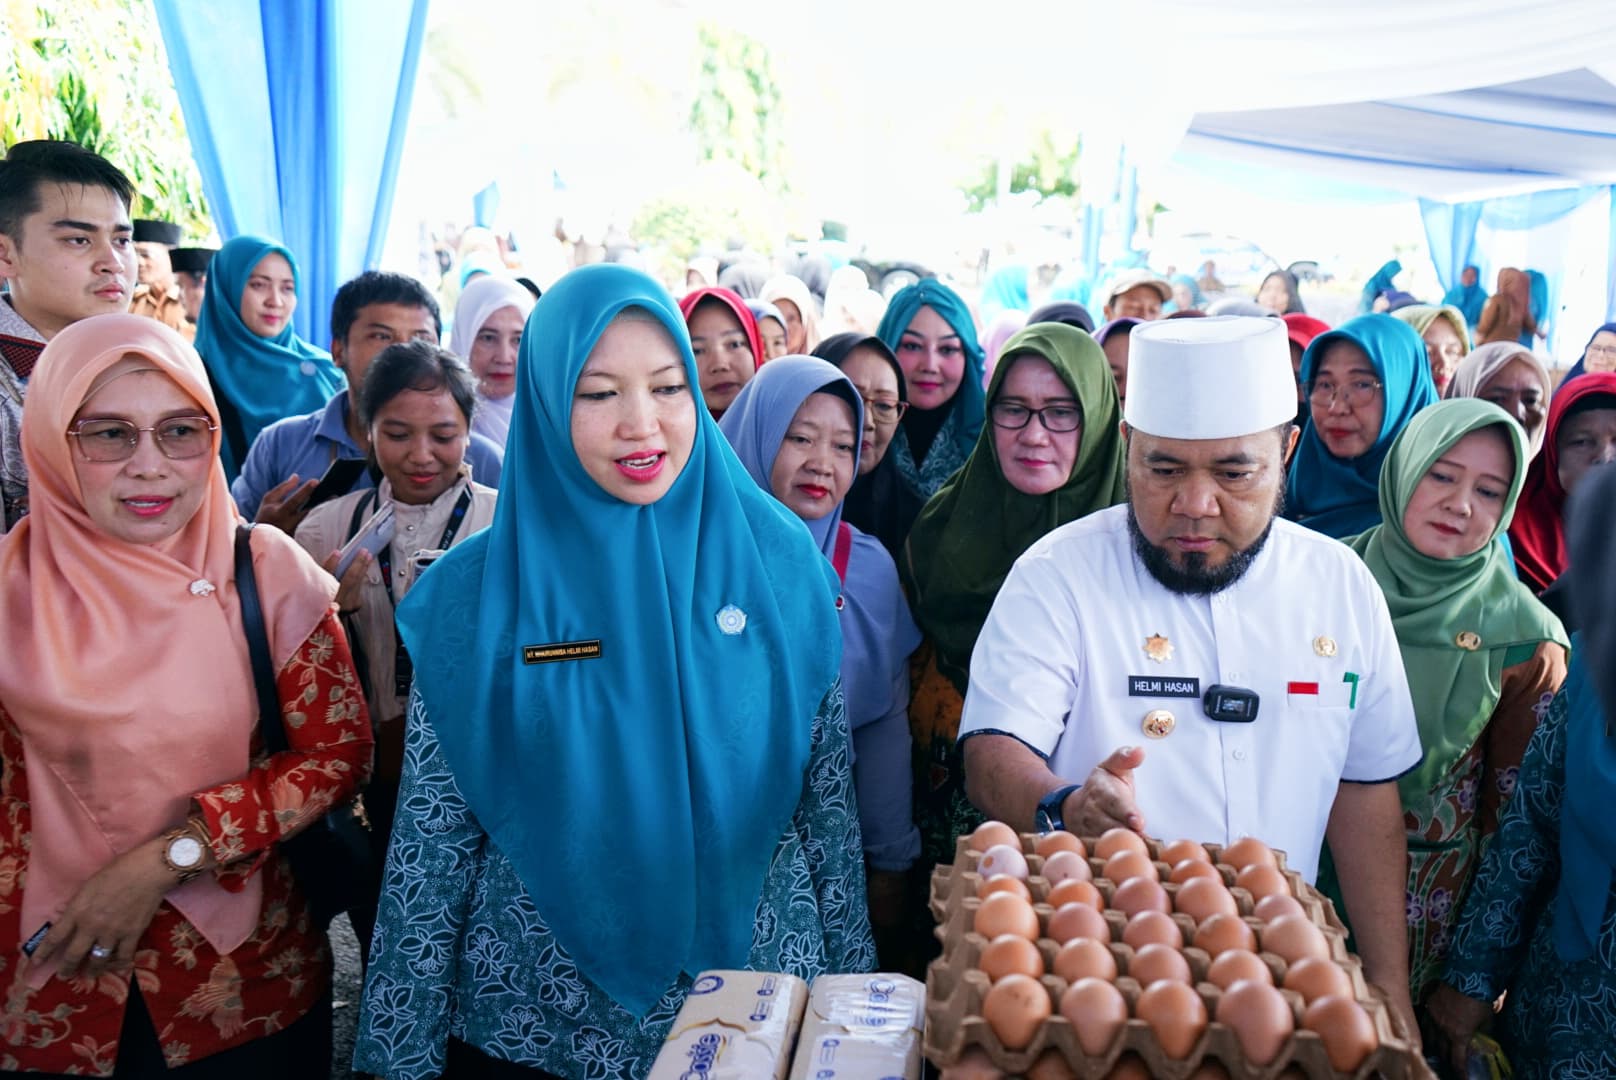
column 338, row 480
column 420, row 561
column 373, row 536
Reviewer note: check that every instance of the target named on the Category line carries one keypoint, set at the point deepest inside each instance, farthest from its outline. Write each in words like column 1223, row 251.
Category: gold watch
column 184, row 851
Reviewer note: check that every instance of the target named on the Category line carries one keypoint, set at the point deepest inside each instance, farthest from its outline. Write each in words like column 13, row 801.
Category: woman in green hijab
column 1050, row 453
column 1484, row 657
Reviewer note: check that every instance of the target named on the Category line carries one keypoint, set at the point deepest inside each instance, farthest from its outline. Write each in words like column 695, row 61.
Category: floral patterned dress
column 460, row 950
column 1559, row 1019
column 942, row 812
column 1447, row 836
column 201, row 1002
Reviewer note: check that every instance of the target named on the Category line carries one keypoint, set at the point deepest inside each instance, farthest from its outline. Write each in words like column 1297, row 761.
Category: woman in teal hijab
column 930, row 330
column 627, row 761
column 261, row 370
column 1379, row 282
column 1483, row 654
column 1363, row 383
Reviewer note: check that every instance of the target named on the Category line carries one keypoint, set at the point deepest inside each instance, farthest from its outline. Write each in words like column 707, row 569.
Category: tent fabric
column 297, row 115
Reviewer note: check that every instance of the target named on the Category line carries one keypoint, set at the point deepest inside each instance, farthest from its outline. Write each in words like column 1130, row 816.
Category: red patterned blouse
column 201, row 1002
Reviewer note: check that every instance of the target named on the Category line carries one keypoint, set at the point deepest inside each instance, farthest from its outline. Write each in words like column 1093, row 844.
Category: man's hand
column 286, row 504
column 1458, row 1017
column 1106, row 799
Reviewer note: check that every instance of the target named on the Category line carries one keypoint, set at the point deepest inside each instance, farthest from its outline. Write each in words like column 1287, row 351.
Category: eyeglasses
column 1013, row 417
column 885, row 413
column 1356, row 392
column 178, row 437
column 1602, row 350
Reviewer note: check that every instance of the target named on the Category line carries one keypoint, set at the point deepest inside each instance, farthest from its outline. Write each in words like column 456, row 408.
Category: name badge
column 1153, row 686
column 561, row 650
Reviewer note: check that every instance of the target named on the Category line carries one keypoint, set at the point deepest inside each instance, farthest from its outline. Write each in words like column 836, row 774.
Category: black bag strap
column 270, row 724
column 360, row 513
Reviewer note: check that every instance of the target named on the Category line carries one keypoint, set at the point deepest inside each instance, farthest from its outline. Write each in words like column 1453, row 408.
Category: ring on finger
column 100, row 952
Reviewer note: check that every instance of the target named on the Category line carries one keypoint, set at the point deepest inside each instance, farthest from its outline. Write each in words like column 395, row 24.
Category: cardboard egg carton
column 955, row 987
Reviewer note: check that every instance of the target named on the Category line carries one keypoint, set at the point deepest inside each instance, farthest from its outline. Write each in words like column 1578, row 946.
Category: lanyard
column 403, row 666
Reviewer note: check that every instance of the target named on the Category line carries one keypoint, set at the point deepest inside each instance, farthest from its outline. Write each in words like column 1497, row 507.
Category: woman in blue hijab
column 930, row 330
column 627, row 762
column 1605, row 339
column 796, row 429
column 1363, row 382
column 261, row 370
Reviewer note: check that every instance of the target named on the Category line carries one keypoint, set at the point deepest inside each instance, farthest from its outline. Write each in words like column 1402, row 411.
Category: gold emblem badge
column 1324, row 645
column 1159, row 723
column 1158, row 648
column 1468, row 640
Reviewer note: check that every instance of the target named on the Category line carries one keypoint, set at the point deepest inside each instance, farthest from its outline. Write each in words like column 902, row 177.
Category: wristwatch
column 1048, row 817
column 184, row 852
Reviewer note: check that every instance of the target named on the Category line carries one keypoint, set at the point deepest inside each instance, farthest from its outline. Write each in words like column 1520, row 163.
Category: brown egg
column 1348, row 1034
column 993, row 833
column 1127, row 865
column 1072, row 891
column 1201, row 898
column 1178, row 850
column 1292, row 937
column 1314, row 977
column 1260, row 1018
column 1141, row 894
column 1005, row 913
column 1129, row 1067
column 1185, row 869
column 1175, row 1013
column 1119, row 839
column 1066, row 866
column 1051, row 1066
column 1152, row 928
column 1246, row 851
column 1237, row 965
column 1097, row 1011
column 1010, row 954
column 1051, row 842
column 1260, row 881
column 1153, row 963
column 1220, row 933
column 1002, row 859
column 1078, row 921
column 1085, row 958
column 974, row 1064
column 1014, row 1008
column 1271, row 908
column 1003, row 883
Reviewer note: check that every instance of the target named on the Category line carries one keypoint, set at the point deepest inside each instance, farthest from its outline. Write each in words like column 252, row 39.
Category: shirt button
column 1240, row 755
column 409, row 528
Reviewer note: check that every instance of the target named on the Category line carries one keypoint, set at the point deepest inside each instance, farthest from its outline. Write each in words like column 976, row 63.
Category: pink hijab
column 127, row 679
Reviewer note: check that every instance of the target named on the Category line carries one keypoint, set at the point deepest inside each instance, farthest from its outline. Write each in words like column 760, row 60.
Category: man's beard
column 1194, row 577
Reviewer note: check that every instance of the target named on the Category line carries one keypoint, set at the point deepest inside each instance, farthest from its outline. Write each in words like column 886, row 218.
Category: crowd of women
column 684, row 691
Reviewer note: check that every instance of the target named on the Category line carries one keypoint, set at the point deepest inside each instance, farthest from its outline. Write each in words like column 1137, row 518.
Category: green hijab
column 977, row 525
column 1434, row 601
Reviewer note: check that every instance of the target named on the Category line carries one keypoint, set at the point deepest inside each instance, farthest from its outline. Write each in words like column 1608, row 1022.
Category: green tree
column 736, row 113
column 94, row 72
column 1048, row 167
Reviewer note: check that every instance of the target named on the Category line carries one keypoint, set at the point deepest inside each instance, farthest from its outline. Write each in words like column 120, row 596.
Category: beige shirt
column 415, row 528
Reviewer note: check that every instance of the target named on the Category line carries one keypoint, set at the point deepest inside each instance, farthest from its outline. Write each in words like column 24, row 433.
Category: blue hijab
column 261, row 380
column 660, row 775
column 1581, row 366
column 969, row 403
column 1469, row 299
column 1587, row 842
column 1341, row 497
column 1380, row 282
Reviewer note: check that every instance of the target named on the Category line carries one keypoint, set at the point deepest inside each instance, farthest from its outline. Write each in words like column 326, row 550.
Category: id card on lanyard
column 403, row 666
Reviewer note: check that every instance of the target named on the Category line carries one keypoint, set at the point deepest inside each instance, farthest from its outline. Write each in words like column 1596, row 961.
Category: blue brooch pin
column 731, row 620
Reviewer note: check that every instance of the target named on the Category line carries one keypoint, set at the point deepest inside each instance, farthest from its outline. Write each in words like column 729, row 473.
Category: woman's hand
column 349, row 588
column 1458, row 1017
column 111, row 911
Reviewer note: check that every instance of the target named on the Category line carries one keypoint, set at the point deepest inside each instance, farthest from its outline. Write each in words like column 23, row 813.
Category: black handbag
column 331, row 858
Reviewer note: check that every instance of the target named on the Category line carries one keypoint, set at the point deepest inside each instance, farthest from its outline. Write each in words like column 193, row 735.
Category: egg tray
column 954, row 1005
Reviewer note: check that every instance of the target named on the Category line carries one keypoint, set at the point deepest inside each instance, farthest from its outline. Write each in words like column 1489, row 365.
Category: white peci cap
column 1211, row 378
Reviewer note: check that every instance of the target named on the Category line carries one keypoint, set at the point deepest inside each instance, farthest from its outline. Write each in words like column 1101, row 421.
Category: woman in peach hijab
column 159, row 924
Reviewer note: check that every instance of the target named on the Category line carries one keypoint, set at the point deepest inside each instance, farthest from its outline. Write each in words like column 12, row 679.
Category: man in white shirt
column 1191, row 664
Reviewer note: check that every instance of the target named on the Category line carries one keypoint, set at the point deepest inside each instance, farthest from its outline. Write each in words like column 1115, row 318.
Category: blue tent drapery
column 1450, row 233
column 297, row 111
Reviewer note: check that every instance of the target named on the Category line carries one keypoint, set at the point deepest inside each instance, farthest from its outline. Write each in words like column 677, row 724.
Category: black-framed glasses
column 178, row 437
column 1057, row 418
column 1355, row 392
column 885, row 412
